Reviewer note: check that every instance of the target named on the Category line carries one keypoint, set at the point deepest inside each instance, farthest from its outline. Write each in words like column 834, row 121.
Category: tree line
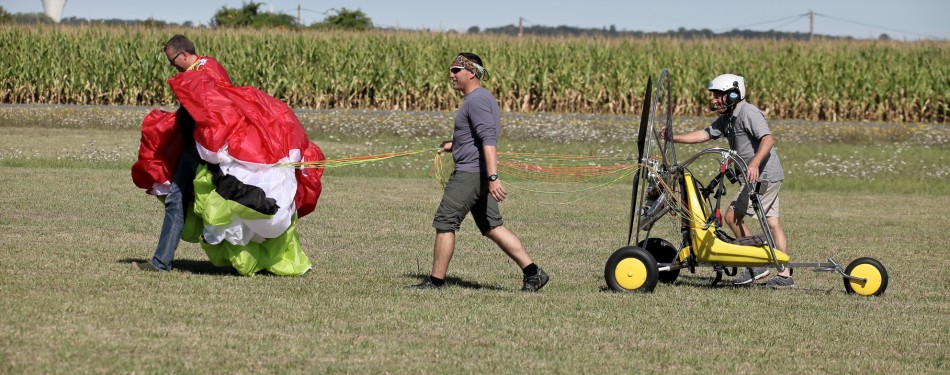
column 250, row 15
column 680, row 33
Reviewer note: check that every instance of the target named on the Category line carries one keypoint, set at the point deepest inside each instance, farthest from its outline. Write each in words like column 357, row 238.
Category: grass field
column 71, row 222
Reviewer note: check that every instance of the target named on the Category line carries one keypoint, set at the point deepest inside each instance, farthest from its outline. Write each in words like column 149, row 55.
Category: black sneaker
column 144, row 266
column 781, row 282
column 750, row 274
column 536, row 282
column 426, row 285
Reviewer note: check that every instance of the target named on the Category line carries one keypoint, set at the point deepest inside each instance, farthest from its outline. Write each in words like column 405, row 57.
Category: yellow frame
column 708, row 248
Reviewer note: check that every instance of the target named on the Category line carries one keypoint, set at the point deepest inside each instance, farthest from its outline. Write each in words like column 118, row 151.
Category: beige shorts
column 768, row 198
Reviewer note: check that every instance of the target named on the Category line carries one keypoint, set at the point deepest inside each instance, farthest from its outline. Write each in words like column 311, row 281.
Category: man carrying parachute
column 215, row 162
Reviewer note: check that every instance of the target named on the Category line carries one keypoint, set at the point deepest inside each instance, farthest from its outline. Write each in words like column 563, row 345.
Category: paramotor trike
column 664, row 188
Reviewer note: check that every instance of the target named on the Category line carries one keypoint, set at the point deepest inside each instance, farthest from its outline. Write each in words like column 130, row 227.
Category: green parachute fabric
column 282, row 255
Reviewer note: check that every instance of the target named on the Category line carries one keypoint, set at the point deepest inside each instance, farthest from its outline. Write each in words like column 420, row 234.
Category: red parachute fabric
column 158, row 151
column 160, row 147
column 256, row 128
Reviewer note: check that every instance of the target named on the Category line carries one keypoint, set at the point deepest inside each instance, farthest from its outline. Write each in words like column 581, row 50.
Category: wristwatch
column 493, row 177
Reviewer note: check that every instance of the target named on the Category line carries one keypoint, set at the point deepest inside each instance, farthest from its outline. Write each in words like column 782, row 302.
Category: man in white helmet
column 748, row 133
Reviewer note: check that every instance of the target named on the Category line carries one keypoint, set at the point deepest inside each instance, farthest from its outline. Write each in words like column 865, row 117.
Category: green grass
column 71, row 303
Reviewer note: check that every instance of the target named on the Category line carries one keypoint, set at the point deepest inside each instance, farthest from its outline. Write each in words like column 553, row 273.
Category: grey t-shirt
column 477, row 124
column 744, row 130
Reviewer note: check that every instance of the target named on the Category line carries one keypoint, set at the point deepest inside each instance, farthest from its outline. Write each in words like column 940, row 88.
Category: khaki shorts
column 467, row 192
column 768, row 199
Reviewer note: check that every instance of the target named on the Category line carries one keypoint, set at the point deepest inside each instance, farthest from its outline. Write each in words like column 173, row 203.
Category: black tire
column 870, row 269
column 664, row 252
column 631, row 269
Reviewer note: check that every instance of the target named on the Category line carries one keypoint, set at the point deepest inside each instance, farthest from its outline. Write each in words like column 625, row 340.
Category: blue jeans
column 182, row 194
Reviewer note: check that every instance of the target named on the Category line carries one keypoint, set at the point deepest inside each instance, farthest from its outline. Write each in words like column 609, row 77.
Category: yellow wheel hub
column 630, row 273
column 872, row 276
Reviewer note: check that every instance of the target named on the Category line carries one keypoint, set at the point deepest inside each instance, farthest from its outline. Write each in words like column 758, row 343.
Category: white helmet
column 728, row 82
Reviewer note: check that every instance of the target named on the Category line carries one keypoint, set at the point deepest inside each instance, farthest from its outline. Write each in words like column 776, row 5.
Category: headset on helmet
column 731, row 84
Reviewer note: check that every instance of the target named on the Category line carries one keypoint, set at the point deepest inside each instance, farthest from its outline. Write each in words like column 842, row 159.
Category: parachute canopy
column 244, row 199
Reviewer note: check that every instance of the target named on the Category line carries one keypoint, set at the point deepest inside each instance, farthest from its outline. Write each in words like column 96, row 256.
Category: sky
column 862, row 19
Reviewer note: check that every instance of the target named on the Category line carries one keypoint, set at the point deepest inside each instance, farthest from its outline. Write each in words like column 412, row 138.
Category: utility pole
column 811, row 24
column 520, row 28
column 298, row 15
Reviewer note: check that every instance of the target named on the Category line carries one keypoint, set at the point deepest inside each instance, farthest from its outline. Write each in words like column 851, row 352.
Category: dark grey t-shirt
column 744, row 130
column 477, row 124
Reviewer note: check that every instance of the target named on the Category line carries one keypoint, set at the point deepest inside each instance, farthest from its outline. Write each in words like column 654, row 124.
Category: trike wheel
column 664, row 252
column 631, row 269
column 872, row 271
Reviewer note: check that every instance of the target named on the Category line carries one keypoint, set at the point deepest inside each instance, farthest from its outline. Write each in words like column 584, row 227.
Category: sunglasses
column 455, row 69
column 172, row 60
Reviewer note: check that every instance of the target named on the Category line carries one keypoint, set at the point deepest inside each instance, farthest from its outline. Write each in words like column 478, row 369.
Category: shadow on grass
column 455, row 282
column 197, row 267
column 706, row 283
column 688, row 281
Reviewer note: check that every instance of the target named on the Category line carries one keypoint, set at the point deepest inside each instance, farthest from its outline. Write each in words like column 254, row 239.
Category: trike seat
column 754, row 240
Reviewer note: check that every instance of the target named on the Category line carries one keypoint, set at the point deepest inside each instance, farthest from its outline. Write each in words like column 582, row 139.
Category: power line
column 779, row 27
column 796, row 17
column 873, row 26
column 317, row 11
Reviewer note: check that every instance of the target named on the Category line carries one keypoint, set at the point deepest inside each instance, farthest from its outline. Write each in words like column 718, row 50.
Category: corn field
column 888, row 81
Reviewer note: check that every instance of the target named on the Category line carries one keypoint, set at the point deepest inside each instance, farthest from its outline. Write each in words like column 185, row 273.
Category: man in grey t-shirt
column 474, row 186
column 748, row 133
